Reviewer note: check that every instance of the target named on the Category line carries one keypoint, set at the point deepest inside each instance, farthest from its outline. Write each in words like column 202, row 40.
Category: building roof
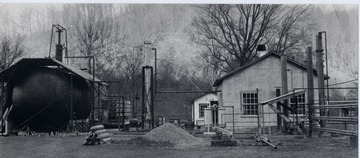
column 221, row 79
column 203, row 95
column 45, row 62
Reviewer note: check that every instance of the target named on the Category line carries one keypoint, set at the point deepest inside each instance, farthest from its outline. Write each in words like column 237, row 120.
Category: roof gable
column 298, row 64
column 203, row 95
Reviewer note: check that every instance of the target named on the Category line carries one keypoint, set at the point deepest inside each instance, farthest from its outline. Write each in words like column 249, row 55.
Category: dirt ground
column 71, row 146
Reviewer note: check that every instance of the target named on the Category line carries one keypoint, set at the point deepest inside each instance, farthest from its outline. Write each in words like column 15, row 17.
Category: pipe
column 320, row 70
column 233, row 114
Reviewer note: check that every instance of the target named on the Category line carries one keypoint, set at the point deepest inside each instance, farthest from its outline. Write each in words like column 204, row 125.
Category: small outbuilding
column 199, row 105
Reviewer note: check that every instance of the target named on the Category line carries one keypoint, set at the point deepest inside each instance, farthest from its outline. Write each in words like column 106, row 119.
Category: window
column 250, row 103
column 202, row 106
column 300, row 104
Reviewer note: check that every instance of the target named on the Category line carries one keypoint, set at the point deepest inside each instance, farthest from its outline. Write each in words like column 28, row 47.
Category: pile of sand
column 172, row 134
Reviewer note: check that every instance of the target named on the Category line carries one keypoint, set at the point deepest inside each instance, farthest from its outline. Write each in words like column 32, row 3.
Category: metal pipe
column 71, row 104
column 152, row 99
column 188, row 91
column 155, row 71
column 121, row 98
column 66, row 48
column 59, row 36
column 327, row 67
column 233, row 114
column 143, row 99
column 99, row 101
column 93, row 90
column 123, row 112
column 52, row 30
column 320, row 70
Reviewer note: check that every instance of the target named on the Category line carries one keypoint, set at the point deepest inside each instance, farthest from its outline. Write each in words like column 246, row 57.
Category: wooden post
column 284, row 86
column 310, row 94
column 320, row 72
column 278, row 106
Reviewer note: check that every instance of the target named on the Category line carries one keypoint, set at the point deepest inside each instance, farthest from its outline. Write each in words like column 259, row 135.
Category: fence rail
column 347, row 115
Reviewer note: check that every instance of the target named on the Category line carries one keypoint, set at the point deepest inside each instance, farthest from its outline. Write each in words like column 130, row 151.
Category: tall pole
column 320, row 70
column 152, row 99
column 93, row 90
column 278, row 106
column 284, row 86
column 310, row 94
column 155, row 70
column 123, row 113
column 327, row 68
column 71, row 104
column 143, row 99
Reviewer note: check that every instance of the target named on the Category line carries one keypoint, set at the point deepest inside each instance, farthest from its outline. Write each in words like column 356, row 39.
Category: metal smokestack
column 320, row 71
column 59, row 47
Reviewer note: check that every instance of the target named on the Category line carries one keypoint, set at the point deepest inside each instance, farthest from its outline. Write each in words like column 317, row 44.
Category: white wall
column 196, row 110
column 265, row 76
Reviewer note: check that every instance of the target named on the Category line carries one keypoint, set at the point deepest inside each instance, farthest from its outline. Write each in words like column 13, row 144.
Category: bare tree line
column 228, row 35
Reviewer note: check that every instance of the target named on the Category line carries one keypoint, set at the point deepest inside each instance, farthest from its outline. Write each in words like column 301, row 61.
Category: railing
column 338, row 121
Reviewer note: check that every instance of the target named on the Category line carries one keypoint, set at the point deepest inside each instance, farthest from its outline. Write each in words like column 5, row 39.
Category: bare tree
column 229, row 34
column 10, row 50
column 97, row 33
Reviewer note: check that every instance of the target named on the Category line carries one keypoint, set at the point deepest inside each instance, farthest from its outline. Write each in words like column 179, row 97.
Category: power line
column 344, row 82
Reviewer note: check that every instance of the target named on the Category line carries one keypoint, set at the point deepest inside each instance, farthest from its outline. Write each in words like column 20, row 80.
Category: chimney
column 261, row 50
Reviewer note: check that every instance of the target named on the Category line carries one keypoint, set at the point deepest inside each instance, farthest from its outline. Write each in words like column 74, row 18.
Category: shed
column 199, row 104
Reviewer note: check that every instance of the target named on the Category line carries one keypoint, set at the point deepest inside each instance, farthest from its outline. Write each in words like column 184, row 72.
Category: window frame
column 203, row 111
column 301, row 109
column 249, row 104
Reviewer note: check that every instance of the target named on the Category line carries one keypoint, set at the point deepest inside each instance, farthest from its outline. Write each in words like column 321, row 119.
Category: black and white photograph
column 194, row 79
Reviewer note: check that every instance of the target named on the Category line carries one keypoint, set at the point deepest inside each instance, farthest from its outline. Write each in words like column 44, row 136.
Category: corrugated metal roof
column 28, row 62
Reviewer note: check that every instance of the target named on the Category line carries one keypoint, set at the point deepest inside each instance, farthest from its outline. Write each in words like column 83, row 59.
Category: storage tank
column 41, row 98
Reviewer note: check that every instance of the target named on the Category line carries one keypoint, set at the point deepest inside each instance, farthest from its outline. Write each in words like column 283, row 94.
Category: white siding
column 196, row 110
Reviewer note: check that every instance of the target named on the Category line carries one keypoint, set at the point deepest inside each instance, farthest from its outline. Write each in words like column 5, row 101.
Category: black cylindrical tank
column 42, row 99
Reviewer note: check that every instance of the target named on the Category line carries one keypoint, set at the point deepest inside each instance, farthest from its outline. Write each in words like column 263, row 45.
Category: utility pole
column 310, row 94
column 284, row 86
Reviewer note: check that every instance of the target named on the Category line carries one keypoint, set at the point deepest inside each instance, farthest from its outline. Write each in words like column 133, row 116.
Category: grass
column 56, row 146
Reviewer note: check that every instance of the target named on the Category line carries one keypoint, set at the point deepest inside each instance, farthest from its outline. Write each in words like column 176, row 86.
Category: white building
column 198, row 107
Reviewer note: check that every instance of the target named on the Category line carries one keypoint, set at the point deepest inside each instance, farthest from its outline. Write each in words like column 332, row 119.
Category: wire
column 343, row 82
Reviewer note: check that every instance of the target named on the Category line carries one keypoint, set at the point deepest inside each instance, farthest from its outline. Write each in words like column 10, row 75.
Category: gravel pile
column 172, row 134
